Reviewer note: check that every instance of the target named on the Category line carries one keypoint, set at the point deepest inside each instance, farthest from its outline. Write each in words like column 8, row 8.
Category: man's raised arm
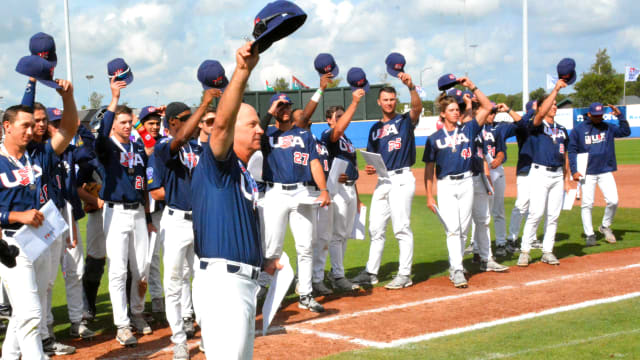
column 190, row 126
column 69, row 122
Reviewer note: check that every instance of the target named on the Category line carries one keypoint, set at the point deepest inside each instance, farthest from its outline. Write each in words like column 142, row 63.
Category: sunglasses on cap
column 261, row 26
column 120, row 77
column 184, row 118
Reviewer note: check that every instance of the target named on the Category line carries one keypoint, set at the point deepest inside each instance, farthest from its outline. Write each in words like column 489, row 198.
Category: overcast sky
column 165, row 41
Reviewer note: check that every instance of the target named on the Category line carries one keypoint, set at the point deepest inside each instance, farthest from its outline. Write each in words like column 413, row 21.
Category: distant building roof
column 564, row 104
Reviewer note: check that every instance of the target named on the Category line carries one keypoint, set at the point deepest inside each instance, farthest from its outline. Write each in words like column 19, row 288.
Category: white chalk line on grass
column 559, row 345
column 460, row 296
column 456, row 331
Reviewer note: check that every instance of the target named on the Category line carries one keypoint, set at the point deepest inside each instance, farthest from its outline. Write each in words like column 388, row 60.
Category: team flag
column 421, row 92
column 631, row 73
column 269, row 87
column 551, row 81
column 296, row 84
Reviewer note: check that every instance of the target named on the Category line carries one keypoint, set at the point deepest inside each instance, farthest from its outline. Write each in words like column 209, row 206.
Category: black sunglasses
column 184, row 118
column 261, row 26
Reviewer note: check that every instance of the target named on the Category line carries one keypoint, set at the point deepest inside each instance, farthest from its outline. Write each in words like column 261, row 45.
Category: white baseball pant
column 607, row 185
column 281, row 206
column 345, row 207
column 481, row 216
column 22, row 283
column 178, row 251
column 155, row 278
column 392, row 200
column 127, row 242
column 547, row 191
column 72, row 271
column 455, row 202
column 496, row 203
column 322, row 231
column 227, row 311
column 521, row 207
column 96, row 243
column 54, row 252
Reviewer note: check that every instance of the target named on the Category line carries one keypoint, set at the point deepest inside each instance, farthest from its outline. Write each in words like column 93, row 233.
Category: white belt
column 231, row 267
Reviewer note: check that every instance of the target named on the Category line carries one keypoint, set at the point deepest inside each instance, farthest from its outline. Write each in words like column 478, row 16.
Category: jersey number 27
column 300, row 158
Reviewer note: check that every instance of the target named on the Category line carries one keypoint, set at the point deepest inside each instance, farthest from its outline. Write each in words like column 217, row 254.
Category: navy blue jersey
column 547, row 144
column 84, row 143
column 119, row 185
column 490, row 140
column 66, row 174
column 522, row 137
column 225, row 218
column 174, row 172
column 342, row 149
column 394, row 141
column 288, row 155
column 29, row 97
column 505, row 130
column 16, row 194
column 440, row 146
column 598, row 141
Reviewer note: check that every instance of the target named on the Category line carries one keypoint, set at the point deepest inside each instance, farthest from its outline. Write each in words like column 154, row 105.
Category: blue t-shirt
column 288, row 155
column 598, row 141
column 522, row 137
column 548, row 144
column 119, row 185
column 225, row 218
column 342, row 149
column 66, row 182
column 174, row 172
column 439, row 149
column 394, row 141
column 15, row 192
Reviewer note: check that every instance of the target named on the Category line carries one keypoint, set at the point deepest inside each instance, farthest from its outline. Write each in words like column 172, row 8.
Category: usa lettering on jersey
column 386, row 130
column 554, row 133
column 595, row 139
column 285, row 142
column 322, row 150
column 488, row 136
column 124, row 159
column 346, row 146
column 19, row 177
column 446, row 142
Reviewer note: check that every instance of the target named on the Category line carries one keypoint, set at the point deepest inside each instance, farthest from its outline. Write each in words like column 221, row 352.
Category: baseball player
column 595, row 137
column 227, row 230
column 448, row 155
column 392, row 137
column 126, row 220
column 293, row 173
column 26, row 177
column 549, row 177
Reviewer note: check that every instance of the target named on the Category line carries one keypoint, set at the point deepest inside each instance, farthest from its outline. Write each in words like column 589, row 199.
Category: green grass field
column 626, row 154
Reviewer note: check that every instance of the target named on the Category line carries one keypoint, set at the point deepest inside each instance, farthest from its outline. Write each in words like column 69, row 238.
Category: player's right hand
column 325, row 80
column 324, row 198
column 116, row 86
column 343, row 178
column 31, row 217
column 272, row 265
column 357, row 95
column 66, row 88
column 370, row 170
column 560, row 84
column 431, row 204
column 246, row 58
column 577, row 176
column 274, row 107
column 209, row 94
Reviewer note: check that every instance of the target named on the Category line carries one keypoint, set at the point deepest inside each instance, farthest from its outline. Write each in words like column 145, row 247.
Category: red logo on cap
column 398, row 66
column 57, row 112
column 452, row 77
column 327, row 68
column 152, row 109
column 257, row 20
column 459, row 93
column 44, row 54
column 598, row 108
column 282, row 96
column 218, row 81
column 118, row 72
column 361, row 82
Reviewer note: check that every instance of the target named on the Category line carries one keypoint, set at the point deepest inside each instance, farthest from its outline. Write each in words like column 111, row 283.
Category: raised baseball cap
column 119, row 69
column 357, row 79
column 596, row 109
column 325, row 63
column 54, row 114
column 456, row 94
column 446, row 82
column 38, row 68
column 43, row 45
column 275, row 21
column 471, row 95
column 278, row 96
column 211, row 75
column 395, row 63
column 529, row 105
column 567, row 70
column 146, row 111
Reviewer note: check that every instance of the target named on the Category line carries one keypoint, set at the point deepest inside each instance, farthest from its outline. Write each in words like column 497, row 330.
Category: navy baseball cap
column 146, row 111
column 43, row 45
column 471, row 95
column 456, row 94
column 447, row 81
column 395, row 63
column 54, row 114
column 211, row 75
column 567, row 70
column 173, row 110
column 325, row 63
column 596, row 109
column 280, row 96
column 529, row 105
column 119, row 69
column 38, row 68
column 357, row 79
column 275, row 21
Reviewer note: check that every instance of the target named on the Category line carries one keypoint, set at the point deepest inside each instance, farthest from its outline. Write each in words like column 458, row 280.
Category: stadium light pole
column 474, row 46
column 89, row 78
column 422, row 71
column 525, row 56
column 68, row 39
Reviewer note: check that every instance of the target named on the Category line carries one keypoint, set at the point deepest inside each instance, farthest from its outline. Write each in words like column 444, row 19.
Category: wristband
column 147, row 217
column 138, row 125
column 317, row 95
column 474, row 89
column 147, row 139
column 4, row 218
column 508, row 110
column 321, row 190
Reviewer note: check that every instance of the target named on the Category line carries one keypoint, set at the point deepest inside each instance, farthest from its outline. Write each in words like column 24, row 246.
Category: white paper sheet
column 444, row 224
column 375, row 160
column 278, row 288
column 255, row 166
column 568, row 199
column 33, row 241
column 582, row 160
column 358, row 225
column 338, row 167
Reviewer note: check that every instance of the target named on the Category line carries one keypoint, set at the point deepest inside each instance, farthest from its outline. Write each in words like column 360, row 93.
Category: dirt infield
column 382, row 318
column 627, row 178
